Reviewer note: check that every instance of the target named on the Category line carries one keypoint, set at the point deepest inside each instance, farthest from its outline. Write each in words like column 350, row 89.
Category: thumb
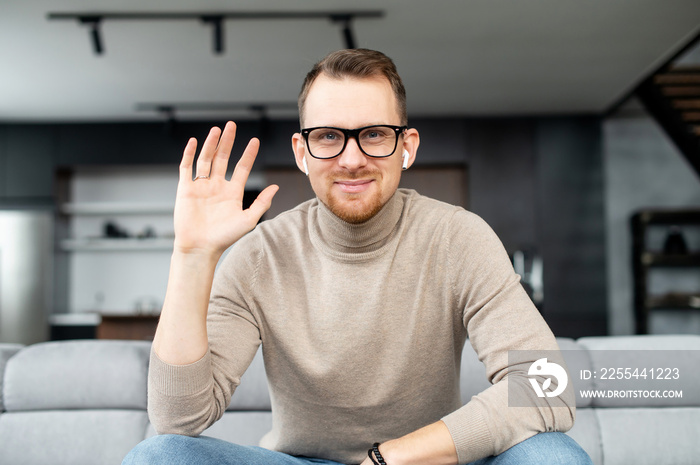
column 262, row 202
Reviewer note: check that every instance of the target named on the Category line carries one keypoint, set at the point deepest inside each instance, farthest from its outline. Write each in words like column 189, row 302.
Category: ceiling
column 457, row 57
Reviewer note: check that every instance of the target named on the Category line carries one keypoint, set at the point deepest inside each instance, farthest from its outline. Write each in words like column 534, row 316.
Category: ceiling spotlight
column 94, row 23
column 348, row 36
column 217, row 23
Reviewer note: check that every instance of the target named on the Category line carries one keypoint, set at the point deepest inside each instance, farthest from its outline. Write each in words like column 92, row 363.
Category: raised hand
column 209, row 215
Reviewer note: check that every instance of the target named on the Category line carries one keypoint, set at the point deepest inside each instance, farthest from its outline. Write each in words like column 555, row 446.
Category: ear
column 411, row 141
column 299, row 148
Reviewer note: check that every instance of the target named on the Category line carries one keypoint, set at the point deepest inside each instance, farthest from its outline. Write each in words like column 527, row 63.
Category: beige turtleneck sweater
column 362, row 329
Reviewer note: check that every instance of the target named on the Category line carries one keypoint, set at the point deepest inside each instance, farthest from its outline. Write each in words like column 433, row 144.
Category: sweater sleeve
column 508, row 334
column 187, row 399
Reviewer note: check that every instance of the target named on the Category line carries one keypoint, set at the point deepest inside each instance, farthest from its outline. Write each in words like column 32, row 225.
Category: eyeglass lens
column 375, row 141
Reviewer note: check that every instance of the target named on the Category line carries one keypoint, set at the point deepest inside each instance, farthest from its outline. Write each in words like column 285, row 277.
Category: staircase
column 672, row 97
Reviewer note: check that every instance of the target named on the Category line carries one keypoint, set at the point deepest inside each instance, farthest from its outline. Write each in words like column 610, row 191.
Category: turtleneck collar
column 330, row 233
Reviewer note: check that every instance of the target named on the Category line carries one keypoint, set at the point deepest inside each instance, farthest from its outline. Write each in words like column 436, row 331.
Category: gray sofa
column 84, row 402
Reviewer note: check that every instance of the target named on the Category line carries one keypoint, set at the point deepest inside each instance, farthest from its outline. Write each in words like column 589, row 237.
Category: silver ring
column 201, row 176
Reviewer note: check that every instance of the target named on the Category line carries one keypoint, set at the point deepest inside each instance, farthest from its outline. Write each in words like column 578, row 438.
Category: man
column 362, row 300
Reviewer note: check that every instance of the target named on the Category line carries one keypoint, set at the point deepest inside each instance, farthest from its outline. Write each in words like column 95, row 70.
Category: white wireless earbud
column 306, row 168
column 406, row 156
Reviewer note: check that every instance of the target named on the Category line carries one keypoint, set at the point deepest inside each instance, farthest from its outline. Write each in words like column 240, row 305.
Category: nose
column 352, row 157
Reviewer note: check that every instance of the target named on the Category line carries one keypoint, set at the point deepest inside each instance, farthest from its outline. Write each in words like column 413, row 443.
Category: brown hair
column 357, row 63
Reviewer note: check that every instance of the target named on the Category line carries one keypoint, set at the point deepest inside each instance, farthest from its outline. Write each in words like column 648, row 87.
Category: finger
column 207, row 153
column 188, row 159
column 223, row 150
column 262, row 203
column 245, row 165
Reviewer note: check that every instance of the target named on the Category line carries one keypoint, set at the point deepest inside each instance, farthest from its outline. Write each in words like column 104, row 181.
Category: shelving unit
column 115, row 209
column 121, row 209
column 114, row 238
column 644, row 260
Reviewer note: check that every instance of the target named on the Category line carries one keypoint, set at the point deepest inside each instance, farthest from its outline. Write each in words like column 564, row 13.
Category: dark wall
column 571, row 223
column 537, row 181
column 26, row 164
column 502, row 164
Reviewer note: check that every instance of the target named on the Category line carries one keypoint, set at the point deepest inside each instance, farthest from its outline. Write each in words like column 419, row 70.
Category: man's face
column 352, row 185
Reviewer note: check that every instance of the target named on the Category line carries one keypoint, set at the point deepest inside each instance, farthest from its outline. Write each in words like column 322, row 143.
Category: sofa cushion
column 472, row 377
column 586, row 432
column 86, row 374
column 6, row 351
column 643, row 436
column 577, row 359
column 657, row 352
column 70, row 437
column 642, row 342
column 253, row 392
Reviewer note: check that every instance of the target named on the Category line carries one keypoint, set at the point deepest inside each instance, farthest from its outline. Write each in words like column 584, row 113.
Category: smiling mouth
column 354, row 186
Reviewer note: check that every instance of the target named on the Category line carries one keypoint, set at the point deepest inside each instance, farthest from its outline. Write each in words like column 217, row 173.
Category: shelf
column 117, row 245
column 668, row 217
column 658, row 259
column 646, row 261
column 673, row 301
column 116, row 208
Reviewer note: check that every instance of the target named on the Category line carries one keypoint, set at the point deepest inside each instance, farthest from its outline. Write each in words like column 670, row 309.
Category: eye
column 373, row 134
column 326, row 136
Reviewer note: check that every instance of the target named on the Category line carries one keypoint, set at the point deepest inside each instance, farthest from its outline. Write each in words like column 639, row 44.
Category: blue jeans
column 171, row 449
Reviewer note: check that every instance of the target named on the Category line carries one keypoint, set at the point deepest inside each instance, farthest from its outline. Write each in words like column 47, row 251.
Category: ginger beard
column 353, row 208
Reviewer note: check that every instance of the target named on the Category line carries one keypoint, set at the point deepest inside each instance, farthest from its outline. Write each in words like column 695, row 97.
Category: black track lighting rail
column 95, row 19
column 171, row 109
column 198, row 106
column 226, row 15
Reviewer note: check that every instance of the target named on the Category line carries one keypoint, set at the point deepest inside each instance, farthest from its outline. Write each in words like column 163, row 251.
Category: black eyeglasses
column 377, row 141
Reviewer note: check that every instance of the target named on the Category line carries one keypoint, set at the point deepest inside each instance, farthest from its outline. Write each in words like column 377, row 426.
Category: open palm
column 209, row 214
